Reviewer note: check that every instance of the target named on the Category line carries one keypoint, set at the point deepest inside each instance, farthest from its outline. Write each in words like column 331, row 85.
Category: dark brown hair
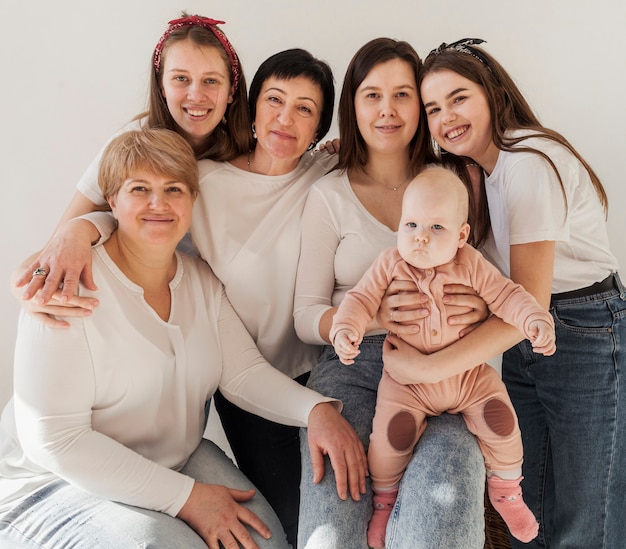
column 353, row 151
column 508, row 109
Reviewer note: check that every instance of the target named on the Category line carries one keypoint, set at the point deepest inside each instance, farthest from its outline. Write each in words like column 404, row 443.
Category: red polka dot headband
column 207, row 23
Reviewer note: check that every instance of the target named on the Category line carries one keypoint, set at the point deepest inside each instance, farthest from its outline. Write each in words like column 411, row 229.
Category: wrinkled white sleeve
column 104, row 222
column 54, row 394
column 315, row 282
column 251, row 383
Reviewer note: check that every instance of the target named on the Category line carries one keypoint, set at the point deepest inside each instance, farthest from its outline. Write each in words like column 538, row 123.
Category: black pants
column 269, row 455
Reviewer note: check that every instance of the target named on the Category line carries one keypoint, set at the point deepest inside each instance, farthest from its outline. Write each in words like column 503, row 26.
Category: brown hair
column 353, row 151
column 231, row 137
column 155, row 150
column 508, row 109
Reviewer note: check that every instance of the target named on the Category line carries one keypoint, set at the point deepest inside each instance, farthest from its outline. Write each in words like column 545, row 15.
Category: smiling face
column 387, row 107
column 287, row 117
column 196, row 85
column 152, row 209
column 458, row 116
column 433, row 225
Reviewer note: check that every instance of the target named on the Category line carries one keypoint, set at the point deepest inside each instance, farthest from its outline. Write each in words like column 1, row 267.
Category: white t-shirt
column 526, row 205
column 340, row 240
column 247, row 227
column 115, row 403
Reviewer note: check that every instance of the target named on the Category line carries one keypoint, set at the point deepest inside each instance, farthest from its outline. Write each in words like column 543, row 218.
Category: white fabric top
column 526, row 205
column 247, row 227
column 340, row 240
column 115, row 403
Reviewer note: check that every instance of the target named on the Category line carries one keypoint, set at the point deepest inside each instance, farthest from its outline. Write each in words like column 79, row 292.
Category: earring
column 224, row 121
column 253, row 130
column 436, row 148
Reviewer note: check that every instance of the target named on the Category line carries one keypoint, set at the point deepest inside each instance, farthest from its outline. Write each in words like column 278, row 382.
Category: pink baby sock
column 506, row 498
column 383, row 504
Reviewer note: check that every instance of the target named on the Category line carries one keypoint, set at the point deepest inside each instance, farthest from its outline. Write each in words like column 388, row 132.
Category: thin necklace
column 249, row 156
column 383, row 185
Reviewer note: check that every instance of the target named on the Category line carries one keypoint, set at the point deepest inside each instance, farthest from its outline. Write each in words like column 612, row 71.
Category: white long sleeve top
column 340, row 240
column 115, row 403
column 247, row 227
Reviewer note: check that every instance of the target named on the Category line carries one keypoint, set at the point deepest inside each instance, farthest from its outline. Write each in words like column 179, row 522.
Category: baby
column 432, row 251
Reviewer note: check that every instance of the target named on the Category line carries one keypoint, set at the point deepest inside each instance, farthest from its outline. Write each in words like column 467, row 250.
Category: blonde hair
column 158, row 151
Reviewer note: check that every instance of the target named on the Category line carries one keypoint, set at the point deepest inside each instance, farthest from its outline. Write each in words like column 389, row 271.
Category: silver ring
column 391, row 315
column 39, row 271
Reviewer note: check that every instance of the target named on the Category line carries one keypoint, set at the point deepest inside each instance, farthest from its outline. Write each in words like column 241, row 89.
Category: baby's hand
column 542, row 337
column 346, row 344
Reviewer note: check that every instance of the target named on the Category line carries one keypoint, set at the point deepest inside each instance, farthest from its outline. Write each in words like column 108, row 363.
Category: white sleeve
column 251, row 383
column 535, row 202
column 104, row 222
column 315, row 281
column 88, row 183
column 54, row 395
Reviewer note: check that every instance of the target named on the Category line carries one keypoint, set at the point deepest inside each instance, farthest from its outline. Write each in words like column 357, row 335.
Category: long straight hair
column 353, row 152
column 509, row 110
column 233, row 135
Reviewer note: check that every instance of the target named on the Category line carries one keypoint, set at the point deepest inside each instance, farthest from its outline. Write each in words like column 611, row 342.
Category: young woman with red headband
column 263, row 184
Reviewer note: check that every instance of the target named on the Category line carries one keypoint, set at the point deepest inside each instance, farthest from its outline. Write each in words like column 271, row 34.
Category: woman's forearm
column 407, row 365
column 490, row 339
column 326, row 321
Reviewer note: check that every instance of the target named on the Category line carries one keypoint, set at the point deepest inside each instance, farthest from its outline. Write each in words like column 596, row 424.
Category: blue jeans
column 572, row 414
column 60, row 515
column 440, row 503
column 268, row 454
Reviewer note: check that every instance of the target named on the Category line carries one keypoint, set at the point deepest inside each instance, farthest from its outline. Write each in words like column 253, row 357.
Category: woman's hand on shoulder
column 330, row 146
column 216, row 514
column 64, row 261
column 51, row 314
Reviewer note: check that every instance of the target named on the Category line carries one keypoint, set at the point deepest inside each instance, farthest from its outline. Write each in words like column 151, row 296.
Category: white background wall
column 75, row 71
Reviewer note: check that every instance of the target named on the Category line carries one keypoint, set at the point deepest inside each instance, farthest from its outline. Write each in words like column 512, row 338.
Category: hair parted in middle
column 232, row 136
column 353, row 151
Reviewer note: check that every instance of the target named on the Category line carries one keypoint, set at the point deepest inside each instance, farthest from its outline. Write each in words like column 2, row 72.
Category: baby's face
column 432, row 227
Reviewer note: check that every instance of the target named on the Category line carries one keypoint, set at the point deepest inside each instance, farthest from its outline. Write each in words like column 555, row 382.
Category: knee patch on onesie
column 402, row 431
column 499, row 417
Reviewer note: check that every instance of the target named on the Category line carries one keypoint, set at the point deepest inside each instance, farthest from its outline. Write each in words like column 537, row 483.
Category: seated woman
column 350, row 216
column 102, row 441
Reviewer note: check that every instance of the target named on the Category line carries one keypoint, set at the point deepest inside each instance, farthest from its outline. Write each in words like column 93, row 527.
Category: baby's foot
column 383, row 504
column 506, row 498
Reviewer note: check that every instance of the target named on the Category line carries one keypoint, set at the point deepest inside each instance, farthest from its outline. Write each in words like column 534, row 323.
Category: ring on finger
column 40, row 271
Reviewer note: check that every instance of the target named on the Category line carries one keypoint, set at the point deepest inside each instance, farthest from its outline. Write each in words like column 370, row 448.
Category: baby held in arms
column 432, row 251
